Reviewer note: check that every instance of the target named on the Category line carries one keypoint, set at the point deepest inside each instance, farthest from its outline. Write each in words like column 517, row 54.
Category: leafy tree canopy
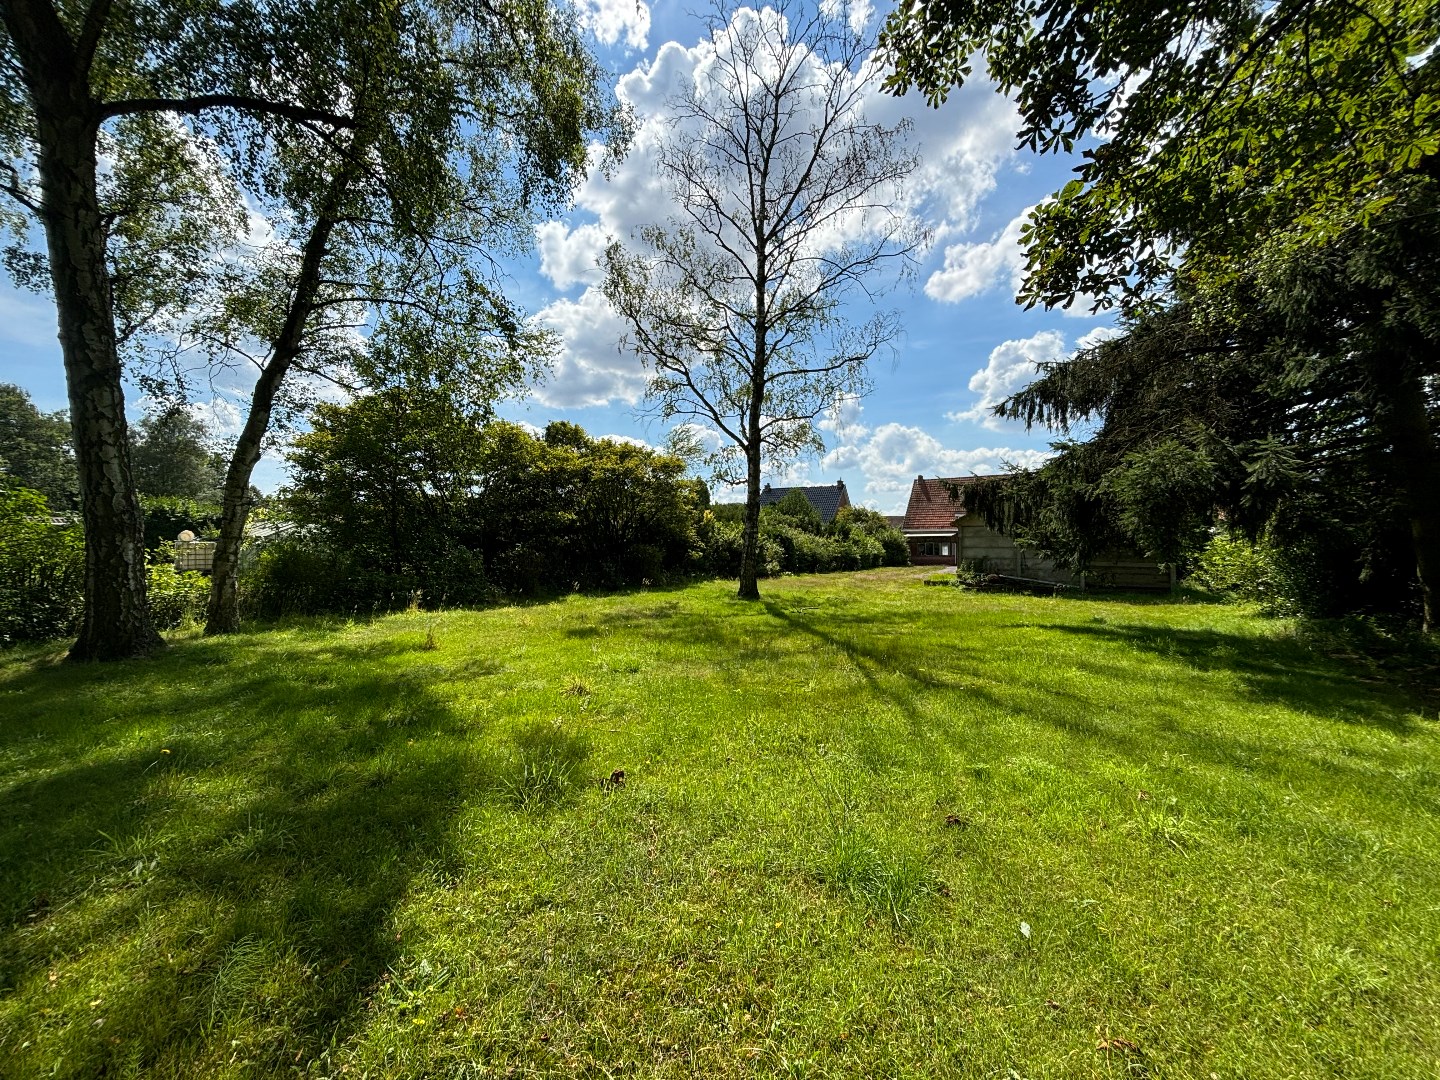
column 1200, row 125
column 172, row 457
column 35, row 449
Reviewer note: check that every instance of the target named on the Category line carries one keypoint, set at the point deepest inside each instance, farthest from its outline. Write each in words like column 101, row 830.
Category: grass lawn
column 866, row 829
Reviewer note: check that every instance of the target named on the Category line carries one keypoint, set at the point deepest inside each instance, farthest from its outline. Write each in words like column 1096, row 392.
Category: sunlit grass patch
column 864, row 828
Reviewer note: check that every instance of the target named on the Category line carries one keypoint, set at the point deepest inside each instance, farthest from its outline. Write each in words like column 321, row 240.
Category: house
column 827, row 501
column 932, row 522
column 942, row 533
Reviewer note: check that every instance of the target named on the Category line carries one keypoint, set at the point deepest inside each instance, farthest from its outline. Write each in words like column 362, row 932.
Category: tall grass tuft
column 545, row 763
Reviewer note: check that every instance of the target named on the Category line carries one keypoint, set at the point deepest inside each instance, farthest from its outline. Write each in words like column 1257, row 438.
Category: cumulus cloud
column 973, row 268
column 570, row 257
column 1012, row 365
column 611, row 20
column 842, row 420
column 1093, row 337
column 629, row 440
column 223, row 418
column 888, row 458
column 590, row 369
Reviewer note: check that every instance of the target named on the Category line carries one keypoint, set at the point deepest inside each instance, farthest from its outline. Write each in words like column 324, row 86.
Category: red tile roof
column 931, row 509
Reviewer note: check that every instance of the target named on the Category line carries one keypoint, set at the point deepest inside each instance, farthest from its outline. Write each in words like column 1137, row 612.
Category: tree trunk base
column 101, row 648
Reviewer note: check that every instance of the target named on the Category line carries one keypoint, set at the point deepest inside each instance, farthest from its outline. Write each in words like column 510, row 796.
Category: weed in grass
column 1164, row 827
column 546, row 759
column 1342, row 976
column 895, row 882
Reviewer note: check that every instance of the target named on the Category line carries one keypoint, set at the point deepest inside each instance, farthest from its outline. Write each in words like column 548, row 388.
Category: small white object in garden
column 1025, row 930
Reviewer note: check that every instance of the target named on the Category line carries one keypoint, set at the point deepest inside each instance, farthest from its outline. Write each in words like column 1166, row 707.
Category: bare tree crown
column 787, row 201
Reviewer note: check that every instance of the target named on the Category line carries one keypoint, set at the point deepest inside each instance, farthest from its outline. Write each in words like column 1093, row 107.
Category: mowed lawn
column 866, row 829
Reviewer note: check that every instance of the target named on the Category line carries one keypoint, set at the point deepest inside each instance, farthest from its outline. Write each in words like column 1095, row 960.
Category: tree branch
column 240, row 102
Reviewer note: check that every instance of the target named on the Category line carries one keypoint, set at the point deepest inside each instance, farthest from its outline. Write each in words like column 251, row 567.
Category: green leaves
column 1221, row 119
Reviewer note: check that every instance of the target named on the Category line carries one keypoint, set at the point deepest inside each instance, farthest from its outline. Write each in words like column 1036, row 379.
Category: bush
column 786, row 547
column 857, row 522
column 301, row 575
column 177, row 598
column 1247, row 571
column 870, row 551
column 42, row 570
column 720, row 543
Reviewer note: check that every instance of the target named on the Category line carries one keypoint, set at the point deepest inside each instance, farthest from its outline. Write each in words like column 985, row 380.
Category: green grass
column 866, row 829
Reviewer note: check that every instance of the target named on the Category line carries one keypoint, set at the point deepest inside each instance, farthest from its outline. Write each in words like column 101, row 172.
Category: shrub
column 870, row 551
column 177, row 598
column 1248, row 571
column 720, row 542
column 304, row 575
column 42, row 570
column 858, row 522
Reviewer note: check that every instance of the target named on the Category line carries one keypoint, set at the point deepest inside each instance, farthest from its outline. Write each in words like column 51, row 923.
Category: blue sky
column 965, row 343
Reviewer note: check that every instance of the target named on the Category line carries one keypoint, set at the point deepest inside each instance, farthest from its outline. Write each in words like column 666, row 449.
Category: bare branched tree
column 787, row 204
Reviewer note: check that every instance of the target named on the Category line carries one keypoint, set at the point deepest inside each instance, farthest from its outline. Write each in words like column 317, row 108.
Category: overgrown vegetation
column 401, row 498
column 794, row 540
column 1262, row 217
column 865, row 829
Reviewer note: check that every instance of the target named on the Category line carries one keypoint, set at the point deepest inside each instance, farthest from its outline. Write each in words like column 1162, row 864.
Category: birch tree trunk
column 116, row 622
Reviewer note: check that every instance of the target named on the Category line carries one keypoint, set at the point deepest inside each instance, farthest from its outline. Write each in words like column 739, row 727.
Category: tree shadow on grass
column 227, row 851
column 1078, row 699
column 1274, row 670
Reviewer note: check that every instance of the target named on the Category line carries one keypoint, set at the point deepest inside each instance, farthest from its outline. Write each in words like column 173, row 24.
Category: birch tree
column 305, row 101
column 787, row 204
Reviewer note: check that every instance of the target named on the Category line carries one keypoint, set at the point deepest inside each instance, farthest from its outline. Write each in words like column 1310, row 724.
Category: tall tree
column 1251, row 407
column 1241, row 138
column 35, row 448
column 67, row 71
column 785, row 201
column 171, row 456
column 469, row 122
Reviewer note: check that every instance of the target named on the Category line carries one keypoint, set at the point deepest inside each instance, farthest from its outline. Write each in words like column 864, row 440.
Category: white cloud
column 629, row 440
column 890, row 457
column 1093, row 337
column 1012, row 365
column 610, row 20
column 971, row 269
column 842, row 420
column 974, row 268
column 857, row 12
column 570, row 256
column 221, row 417
column 591, row 368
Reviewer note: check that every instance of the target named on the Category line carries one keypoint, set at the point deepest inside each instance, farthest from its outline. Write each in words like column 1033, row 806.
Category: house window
column 933, row 548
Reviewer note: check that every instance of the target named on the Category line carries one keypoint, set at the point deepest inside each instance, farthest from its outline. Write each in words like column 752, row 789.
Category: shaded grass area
column 864, row 828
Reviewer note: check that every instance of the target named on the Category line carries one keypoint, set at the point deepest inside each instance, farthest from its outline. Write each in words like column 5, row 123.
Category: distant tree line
column 42, row 557
column 403, row 497
column 406, row 495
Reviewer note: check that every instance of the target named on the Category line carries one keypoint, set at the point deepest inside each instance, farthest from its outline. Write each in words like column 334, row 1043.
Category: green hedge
column 42, row 570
